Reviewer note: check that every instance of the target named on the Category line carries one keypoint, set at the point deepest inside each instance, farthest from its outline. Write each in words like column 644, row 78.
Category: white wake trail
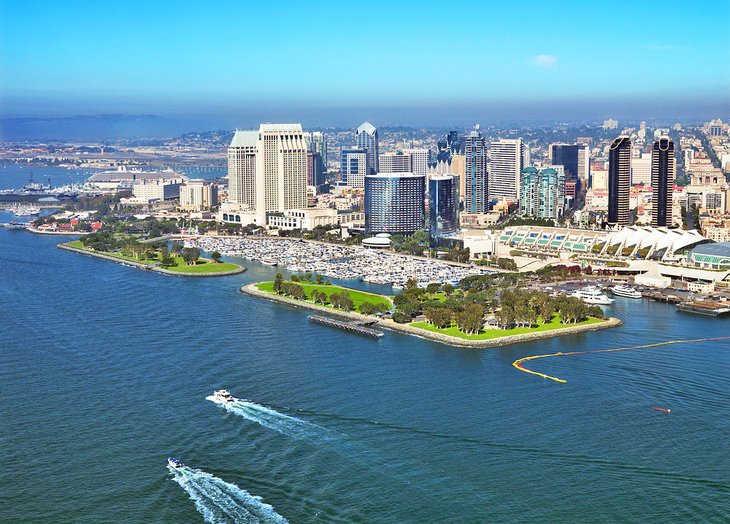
column 221, row 502
column 272, row 419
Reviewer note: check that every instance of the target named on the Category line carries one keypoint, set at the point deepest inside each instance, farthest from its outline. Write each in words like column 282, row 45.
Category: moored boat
column 591, row 295
column 625, row 291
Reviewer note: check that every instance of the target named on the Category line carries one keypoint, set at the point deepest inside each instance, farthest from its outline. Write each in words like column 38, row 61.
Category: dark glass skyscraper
column 476, row 199
column 394, row 202
column 443, row 205
column 662, row 181
column 619, row 181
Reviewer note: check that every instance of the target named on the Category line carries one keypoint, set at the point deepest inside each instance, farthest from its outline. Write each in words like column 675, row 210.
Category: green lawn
column 202, row 265
column 357, row 297
column 487, row 334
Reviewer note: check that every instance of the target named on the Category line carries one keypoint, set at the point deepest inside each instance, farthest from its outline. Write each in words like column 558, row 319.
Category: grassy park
column 323, row 296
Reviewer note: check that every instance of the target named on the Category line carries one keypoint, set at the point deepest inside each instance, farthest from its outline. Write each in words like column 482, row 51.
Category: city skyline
column 139, row 58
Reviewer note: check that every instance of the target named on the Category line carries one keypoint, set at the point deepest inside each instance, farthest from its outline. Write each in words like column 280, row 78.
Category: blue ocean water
column 104, row 371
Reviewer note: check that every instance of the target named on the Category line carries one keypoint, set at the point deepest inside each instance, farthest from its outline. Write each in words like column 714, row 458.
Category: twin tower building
column 619, row 181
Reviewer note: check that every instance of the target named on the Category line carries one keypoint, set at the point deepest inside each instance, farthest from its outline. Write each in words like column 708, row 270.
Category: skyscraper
column 394, row 202
column 476, row 192
column 267, row 169
column 575, row 159
column 396, row 163
column 366, row 137
column 619, row 181
column 353, row 166
column 542, row 193
column 419, row 160
column 505, row 166
column 443, row 204
column 317, row 161
column 662, row 181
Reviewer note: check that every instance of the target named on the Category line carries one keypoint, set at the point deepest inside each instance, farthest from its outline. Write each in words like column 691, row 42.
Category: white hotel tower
column 267, row 170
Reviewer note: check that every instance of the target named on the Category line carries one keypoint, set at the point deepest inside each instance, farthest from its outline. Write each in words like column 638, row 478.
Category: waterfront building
column 476, row 186
column 267, row 169
column 443, row 204
column 353, row 166
column 542, row 192
column 505, row 165
column 394, row 203
column 198, row 195
column 398, row 162
column 662, row 181
column 366, row 137
column 619, row 181
column 306, row 219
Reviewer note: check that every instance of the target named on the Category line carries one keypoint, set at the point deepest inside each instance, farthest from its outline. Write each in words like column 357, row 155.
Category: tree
column 432, row 288
column 216, row 256
column 277, row 283
column 448, row 289
column 191, row 255
column 505, row 316
column 470, row 320
column 319, row 279
column 411, row 283
column 401, row 318
column 368, row 308
column 439, row 317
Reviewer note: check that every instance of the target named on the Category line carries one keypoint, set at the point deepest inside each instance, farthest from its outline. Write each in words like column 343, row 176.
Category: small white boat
column 175, row 463
column 625, row 291
column 221, row 396
column 591, row 295
column 269, row 262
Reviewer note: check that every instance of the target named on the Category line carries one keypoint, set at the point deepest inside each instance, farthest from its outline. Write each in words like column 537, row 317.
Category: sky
column 403, row 62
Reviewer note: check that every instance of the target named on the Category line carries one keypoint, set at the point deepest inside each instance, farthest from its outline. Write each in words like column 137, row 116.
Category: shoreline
column 148, row 267
column 250, row 289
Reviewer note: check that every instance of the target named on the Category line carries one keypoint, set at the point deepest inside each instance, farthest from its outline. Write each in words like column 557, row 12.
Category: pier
column 709, row 308
column 353, row 326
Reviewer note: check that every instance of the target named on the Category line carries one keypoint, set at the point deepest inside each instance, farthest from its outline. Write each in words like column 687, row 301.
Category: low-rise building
column 198, row 194
column 306, row 219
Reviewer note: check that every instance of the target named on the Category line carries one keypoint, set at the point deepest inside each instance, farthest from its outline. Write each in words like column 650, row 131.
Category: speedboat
column 221, row 396
column 269, row 262
column 591, row 295
column 174, row 463
column 625, row 291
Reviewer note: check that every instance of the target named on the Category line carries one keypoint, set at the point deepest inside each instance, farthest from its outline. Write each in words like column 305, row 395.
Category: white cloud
column 545, row 61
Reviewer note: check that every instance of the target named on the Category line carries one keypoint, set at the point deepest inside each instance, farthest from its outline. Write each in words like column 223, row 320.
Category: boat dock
column 660, row 296
column 709, row 308
column 352, row 326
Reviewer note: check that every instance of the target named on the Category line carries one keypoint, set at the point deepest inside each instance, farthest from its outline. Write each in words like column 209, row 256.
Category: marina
column 338, row 261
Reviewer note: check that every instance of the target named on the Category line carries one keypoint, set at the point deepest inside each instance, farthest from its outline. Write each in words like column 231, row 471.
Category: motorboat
column 621, row 290
column 221, row 396
column 592, row 295
column 174, row 463
column 269, row 262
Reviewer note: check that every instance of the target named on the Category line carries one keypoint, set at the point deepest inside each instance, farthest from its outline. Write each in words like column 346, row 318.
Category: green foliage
column 190, row 255
column 277, row 283
column 216, row 256
column 440, row 317
column 401, row 318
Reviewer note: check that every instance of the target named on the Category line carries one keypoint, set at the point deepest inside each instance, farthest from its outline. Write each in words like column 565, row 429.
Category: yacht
column 175, row 463
column 221, row 396
column 625, row 291
column 592, row 295
column 269, row 262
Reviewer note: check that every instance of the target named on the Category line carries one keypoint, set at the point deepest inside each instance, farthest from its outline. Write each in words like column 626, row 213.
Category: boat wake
column 222, row 502
column 271, row 419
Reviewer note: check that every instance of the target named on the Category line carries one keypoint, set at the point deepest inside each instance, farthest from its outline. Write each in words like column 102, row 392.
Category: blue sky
column 223, row 58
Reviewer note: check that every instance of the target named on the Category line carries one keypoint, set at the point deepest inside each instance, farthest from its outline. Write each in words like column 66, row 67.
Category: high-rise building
column 366, row 137
column 619, row 181
column 443, row 204
column 505, row 166
column 575, row 159
column 476, row 190
column 394, row 202
column 317, row 160
column 317, row 143
column 542, row 192
column 662, row 181
column 396, row 162
column 197, row 195
column 242, row 169
column 641, row 170
column 419, row 160
column 267, row 169
column 353, row 166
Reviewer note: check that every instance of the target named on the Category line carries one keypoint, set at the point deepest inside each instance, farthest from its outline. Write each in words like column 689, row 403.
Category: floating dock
column 354, row 326
column 712, row 309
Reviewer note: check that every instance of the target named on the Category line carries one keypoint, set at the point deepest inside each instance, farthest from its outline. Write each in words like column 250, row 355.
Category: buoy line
column 518, row 363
